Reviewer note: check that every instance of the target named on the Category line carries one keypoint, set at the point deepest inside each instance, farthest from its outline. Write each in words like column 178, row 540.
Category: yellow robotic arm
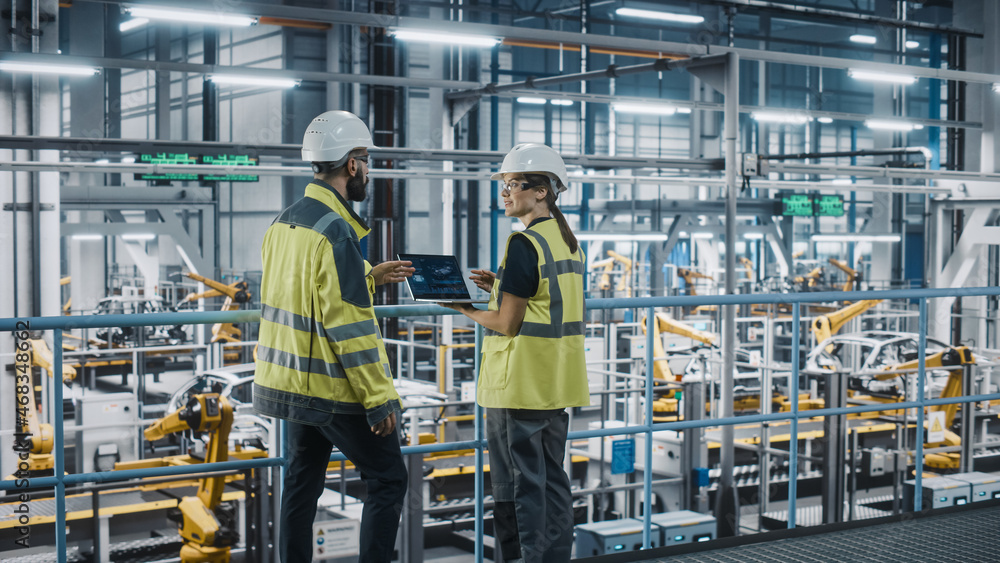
column 689, row 276
column 607, row 265
column 852, row 275
column 957, row 356
column 207, row 528
column 235, row 293
column 661, row 369
column 825, row 326
column 625, row 283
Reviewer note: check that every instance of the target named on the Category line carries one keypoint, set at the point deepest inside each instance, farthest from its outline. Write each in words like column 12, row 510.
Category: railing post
column 793, row 443
column 478, row 417
column 60, row 449
column 918, row 499
column 647, row 474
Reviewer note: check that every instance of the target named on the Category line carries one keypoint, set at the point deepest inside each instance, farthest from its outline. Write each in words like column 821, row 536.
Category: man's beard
column 357, row 186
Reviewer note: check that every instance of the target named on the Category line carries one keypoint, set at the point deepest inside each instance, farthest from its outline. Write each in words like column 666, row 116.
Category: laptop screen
column 436, row 278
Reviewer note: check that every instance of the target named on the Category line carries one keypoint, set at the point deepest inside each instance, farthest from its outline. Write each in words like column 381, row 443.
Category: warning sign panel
column 935, row 427
column 335, row 538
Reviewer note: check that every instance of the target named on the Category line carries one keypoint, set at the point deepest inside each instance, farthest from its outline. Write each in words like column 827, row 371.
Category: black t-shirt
column 520, row 274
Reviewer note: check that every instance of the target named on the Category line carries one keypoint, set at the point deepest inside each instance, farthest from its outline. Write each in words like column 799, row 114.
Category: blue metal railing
column 59, row 481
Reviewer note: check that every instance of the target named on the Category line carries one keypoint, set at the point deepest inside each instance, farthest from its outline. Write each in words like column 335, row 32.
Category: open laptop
column 438, row 279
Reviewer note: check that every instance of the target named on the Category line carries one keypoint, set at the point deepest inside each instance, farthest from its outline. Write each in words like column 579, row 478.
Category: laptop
column 438, row 279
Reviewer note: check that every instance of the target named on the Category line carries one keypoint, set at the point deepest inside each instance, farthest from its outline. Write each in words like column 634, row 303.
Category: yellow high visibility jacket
column 543, row 367
column 320, row 351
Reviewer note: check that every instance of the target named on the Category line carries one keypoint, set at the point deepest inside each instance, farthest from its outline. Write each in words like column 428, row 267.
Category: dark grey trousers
column 533, row 518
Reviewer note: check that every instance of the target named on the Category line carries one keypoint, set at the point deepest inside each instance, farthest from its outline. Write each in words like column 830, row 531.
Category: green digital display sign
column 802, row 205
column 829, row 206
column 797, row 205
column 221, row 160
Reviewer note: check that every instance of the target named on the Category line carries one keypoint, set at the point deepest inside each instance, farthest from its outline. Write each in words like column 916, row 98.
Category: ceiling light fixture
column 753, row 236
column 131, row 24
column 531, row 101
column 643, row 109
column 862, row 38
column 561, row 102
column 45, row 68
column 912, row 44
column 139, row 236
column 87, row 236
column 661, row 16
column 443, row 37
column 780, row 117
column 996, row 87
column 190, row 16
column 874, row 76
column 622, row 236
column 889, row 125
column 842, row 181
column 243, row 80
column 703, row 235
column 856, row 237
column 825, row 119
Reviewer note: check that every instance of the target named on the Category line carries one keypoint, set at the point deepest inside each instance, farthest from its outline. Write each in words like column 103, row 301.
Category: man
column 321, row 362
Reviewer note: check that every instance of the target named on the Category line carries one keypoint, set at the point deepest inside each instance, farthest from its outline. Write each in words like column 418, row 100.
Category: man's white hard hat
column 333, row 135
column 534, row 158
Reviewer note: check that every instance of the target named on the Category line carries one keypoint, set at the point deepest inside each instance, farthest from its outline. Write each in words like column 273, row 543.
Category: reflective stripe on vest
column 550, row 270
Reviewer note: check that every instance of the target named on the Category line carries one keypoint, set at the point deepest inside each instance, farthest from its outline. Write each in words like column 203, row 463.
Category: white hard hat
column 333, row 135
column 534, row 158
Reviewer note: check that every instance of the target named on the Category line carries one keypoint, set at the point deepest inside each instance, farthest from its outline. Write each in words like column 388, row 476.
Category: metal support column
column 835, row 446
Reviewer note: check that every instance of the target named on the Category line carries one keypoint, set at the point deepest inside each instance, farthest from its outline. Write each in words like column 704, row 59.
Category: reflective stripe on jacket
column 543, row 367
column 320, row 351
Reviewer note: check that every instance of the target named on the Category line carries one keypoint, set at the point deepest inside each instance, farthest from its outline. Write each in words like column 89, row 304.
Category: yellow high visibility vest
column 320, row 351
column 543, row 367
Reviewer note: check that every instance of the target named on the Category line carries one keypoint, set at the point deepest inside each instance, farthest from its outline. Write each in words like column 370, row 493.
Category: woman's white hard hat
column 534, row 158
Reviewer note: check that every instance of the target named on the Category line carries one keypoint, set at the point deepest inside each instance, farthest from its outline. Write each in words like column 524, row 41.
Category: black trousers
column 381, row 464
column 533, row 514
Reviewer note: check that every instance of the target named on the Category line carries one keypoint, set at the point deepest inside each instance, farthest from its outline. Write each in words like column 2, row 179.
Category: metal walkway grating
column 968, row 536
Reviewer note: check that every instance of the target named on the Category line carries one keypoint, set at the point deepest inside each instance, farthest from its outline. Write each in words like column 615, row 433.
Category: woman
column 533, row 364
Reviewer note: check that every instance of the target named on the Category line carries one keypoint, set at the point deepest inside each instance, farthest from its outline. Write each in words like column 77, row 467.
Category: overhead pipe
column 612, row 71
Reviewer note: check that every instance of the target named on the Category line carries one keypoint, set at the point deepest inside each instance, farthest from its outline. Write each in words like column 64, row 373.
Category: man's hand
column 483, row 279
column 385, row 426
column 393, row 271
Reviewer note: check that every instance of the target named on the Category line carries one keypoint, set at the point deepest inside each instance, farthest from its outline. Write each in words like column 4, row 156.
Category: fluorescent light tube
column 643, row 109
column 86, row 236
column 190, row 16
column 753, row 236
column 45, row 68
column 865, row 39
column 131, row 24
column 842, row 181
column 683, row 110
column 874, row 76
column 139, row 236
column 661, row 16
column 531, row 101
column 888, row 125
column 996, row 87
column 561, row 102
column 622, row 236
column 780, row 117
column 855, row 237
column 243, row 80
column 825, row 119
column 912, row 44
column 703, row 235
column 444, row 37
column 101, row 161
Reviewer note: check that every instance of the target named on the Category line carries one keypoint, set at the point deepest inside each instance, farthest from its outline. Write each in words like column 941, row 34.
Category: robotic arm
column 955, row 357
column 206, row 525
column 853, row 276
column 235, row 293
column 825, row 326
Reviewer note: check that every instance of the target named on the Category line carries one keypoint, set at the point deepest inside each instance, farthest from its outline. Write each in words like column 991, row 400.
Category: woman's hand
column 460, row 307
column 483, row 279
column 393, row 271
